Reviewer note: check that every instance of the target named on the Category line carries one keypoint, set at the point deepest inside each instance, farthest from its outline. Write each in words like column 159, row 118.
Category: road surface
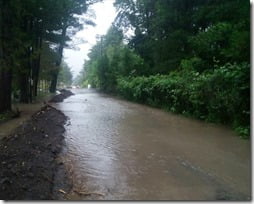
column 118, row 150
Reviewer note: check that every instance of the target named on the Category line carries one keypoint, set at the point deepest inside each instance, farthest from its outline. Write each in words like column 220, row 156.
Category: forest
column 187, row 57
column 33, row 35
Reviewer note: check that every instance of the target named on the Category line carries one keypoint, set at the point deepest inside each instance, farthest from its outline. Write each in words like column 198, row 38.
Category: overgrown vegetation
column 33, row 35
column 213, row 96
column 189, row 57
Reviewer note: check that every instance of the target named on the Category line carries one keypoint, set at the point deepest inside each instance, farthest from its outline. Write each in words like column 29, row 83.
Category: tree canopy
column 27, row 28
column 191, row 57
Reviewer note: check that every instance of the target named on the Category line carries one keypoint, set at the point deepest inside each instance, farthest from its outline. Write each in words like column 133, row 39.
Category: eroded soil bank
column 60, row 97
column 29, row 157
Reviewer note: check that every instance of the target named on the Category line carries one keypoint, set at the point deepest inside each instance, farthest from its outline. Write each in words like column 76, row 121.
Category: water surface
column 121, row 150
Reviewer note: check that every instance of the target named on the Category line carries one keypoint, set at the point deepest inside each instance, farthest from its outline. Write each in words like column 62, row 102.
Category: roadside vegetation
column 188, row 57
column 33, row 34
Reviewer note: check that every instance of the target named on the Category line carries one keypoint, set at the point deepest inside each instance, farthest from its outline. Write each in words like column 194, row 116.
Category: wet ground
column 26, row 111
column 29, row 157
column 29, row 153
column 121, row 150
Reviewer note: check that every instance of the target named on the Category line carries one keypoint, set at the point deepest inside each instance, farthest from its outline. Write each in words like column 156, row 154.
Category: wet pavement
column 118, row 150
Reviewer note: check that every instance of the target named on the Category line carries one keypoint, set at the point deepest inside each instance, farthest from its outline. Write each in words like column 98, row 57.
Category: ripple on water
column 124, row 150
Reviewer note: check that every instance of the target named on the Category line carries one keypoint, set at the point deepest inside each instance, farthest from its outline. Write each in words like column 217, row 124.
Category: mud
column 29, row 158
column 9, row 115
column 60, row 97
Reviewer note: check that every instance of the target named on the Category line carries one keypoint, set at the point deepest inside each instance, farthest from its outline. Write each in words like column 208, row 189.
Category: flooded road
column 118, row 150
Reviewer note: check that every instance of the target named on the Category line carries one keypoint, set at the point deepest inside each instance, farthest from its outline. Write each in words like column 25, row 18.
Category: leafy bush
column 221, row 95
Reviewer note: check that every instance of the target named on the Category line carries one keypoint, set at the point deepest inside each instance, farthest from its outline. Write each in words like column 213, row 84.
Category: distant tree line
column 33, row 34
column 189, row 57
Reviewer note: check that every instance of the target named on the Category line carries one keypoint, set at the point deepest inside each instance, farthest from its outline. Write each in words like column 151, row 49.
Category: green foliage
column 27, row 27
column 65, row 75
column 189, row 57
column 222, row 42
column 110, row 59
column 6, row 116
column 221, row 95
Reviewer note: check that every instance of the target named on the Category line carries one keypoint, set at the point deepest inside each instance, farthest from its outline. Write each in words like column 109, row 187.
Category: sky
column 105, row 15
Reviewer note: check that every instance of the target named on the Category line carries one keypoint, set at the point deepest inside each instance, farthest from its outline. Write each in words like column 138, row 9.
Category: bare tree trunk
column 5, row 55
column 24, row 88
column 5, row 93
column 36, row 70
column 58, row 62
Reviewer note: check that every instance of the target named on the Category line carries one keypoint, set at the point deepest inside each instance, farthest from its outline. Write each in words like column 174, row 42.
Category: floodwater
column 118, row 150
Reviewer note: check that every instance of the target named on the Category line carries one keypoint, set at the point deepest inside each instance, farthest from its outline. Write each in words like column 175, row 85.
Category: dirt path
column 26, row 111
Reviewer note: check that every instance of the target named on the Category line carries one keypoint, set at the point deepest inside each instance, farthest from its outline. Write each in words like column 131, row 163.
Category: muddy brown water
column 118, row 150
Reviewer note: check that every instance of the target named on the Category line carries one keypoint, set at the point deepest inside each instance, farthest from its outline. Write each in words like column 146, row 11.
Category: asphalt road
column 120, row 150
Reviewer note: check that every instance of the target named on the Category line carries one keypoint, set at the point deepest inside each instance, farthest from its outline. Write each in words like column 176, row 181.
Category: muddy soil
column 60, row 97
column 9, row 115
column 29, row 163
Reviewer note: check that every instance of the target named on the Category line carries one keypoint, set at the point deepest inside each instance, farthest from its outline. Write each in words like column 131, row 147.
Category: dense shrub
column 221, row 95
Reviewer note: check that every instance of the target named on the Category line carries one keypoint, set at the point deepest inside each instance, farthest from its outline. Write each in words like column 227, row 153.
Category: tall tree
column 73, row 9
column 24, row 26
column 8, row 43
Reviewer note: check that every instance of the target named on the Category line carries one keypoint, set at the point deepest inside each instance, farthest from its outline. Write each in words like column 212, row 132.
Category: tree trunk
column 24, row 88
column 36, row 75
column 37, row 63
column 58, row 62
column 5, row 93
column 6, row 44
column 25, row 78
column 53, row 84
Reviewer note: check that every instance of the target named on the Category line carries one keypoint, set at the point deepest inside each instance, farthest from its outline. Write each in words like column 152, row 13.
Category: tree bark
column 53, row 83
column 58, row 62
column 25, row 79
column 5, row 90
column 24, row 88
column 36, row 70
column 6, row 43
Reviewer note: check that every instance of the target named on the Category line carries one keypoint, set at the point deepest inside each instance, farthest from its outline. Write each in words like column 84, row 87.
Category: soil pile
column 60, row 97
column 28, row 157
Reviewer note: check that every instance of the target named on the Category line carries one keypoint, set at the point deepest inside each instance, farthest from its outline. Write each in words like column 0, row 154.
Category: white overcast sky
column 105, row 14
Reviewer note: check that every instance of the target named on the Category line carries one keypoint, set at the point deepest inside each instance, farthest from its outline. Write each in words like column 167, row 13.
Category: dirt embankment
column 60, row 97
column 29, row 157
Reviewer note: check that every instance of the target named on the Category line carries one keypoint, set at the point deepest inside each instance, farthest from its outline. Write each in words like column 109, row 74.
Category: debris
column 60, row 97
column 62, row 191
column 87, row 193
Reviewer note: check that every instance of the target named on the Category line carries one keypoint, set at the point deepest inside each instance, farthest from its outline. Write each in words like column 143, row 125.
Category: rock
column 4, row 180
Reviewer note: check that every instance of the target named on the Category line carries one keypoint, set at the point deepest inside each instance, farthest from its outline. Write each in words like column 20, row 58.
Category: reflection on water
column 121, row 150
